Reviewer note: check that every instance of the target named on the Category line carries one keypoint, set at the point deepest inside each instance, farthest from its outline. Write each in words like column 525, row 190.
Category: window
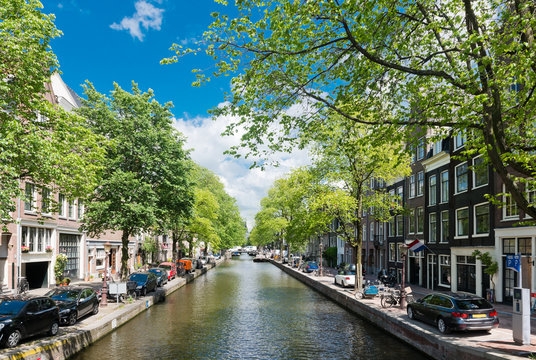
column 62, row 205
column 482, row 219
column 420, row 183
column 444, row 270
column 36, row 239
column 438, row 146
column 364, row 232
column 480, row 172
column 433, row 228
column 420, row 220
column 380, row 231
column 509, row 246
column 29, row 201
column 71, row 209
column 432, row 185
column 392, row 252
column 444, row 226
column 80, row 209
column 462, row 222
column 412, row 186
column 444, row 186
column 45, row 201
column 510, row 210
column 400, row 194
column 411, row 220
column 399, row 252
column 399, row 225
column 524, row 245
column 460, row 140
column 371, row 231
column 391, row 230
column 461, row 177
column 421, row 149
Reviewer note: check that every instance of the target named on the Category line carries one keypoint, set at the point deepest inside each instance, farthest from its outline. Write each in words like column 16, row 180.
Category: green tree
column 463, row 66
column 286, row 213
column 348, row 157
column 141, row 166
column 40, row 143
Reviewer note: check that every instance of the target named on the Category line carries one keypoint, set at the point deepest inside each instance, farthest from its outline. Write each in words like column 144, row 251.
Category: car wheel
column 411, row 315
column 54, row 328
column 335, row 281
column 13, row 338
column 95, row 309
column 442, row 326
column 72, row 318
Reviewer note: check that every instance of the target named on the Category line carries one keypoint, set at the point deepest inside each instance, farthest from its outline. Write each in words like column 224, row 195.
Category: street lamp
column 321, row 270
column 104, row 291
column 404, row 251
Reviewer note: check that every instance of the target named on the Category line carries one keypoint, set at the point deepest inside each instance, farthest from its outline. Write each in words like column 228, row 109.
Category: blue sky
column 124, row 40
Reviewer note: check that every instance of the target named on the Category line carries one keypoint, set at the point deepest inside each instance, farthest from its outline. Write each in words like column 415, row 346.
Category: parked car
column 146, row 282
column 170, row 268
column 74, row 302
column 455, row 311
column 309, row 266
column 25, row 316
column 161, row 276
column 346, row 276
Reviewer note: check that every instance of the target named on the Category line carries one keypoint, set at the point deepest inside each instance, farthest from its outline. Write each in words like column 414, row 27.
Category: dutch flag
column 416, row 246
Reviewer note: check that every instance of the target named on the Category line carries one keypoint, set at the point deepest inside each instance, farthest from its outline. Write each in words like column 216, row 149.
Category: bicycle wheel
column 383, row 301
column 388, row 301
column 358, row 295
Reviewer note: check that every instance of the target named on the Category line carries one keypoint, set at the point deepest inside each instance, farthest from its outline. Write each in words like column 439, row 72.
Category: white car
column 345, row 280
column 346, row 277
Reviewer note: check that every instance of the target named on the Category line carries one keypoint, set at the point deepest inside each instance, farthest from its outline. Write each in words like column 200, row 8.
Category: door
column 85, row 302
column 33, row 318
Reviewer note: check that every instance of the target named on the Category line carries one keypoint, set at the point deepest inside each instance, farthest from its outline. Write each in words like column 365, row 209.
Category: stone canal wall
column 396, row 322
column 76, row 339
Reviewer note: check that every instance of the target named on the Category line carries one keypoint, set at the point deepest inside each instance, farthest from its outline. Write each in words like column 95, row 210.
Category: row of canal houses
column 30, row 245
column 447, row 210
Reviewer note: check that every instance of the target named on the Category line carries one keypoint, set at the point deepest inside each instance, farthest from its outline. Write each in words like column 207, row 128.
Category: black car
column 161, row 276
column 24, row 316
column 455, row 311
column 74, row 302
column 146, row 282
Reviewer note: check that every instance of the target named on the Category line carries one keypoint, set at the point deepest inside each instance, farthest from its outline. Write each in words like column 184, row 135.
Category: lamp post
column 104, row 291
column 321, row 269
column 404, row 251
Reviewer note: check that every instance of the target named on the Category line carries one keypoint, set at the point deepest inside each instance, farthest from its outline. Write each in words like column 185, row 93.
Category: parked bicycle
column 23, row 285
column 393, row 297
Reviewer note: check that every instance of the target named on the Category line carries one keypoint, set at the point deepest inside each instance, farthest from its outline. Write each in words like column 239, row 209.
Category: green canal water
column 246, row 310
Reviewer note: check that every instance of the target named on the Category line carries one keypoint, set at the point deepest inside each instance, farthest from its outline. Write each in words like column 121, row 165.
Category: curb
column 394, row 322
column 66, row 345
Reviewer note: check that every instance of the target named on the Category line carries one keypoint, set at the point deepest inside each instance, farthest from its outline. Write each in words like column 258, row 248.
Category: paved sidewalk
column 500, row 339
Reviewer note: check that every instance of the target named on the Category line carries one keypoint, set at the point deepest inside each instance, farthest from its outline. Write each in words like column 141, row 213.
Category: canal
column 246, row 310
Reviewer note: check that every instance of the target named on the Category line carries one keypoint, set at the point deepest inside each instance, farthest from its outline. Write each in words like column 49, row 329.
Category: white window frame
column 391, row 231
column 432, row 193
column 417, row 222
column 457, row 234
column 444, row 260
column 433, row 241
column 371, row 231
column 420, row 183
column 62, row 203
column 475, row 173
column 411, row 182
column 364, row 232
column 442, row 185
column 399, row 229
column 475, row 234
column 46, row 198
column 71, row 203
column 392, row 252
column 400, row 194
column 80, row 209
column 509, row 203
column 459, row 140
column 456, row 192
column 441, row 235
column 530, row 192
column 33, row 198
column 411, row 221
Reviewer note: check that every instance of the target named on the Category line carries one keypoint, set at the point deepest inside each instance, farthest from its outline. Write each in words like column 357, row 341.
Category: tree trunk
column 359, row 246
column 124, row 254
column 174, row 241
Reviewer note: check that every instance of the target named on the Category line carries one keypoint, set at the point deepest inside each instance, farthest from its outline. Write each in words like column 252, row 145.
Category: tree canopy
column 462, row 66
column 147, row 170
column 40, row 143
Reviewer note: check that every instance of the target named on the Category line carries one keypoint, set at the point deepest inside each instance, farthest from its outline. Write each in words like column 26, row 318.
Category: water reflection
column 246, row 310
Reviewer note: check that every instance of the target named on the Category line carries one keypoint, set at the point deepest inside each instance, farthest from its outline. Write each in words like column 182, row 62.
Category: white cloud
column 147, row 16
column 247, row 186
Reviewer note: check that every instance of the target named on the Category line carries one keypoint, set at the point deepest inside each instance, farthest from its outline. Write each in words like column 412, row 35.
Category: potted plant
column 66, row 281
column 59, row 267
column 25, row 249
column 49, row 249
